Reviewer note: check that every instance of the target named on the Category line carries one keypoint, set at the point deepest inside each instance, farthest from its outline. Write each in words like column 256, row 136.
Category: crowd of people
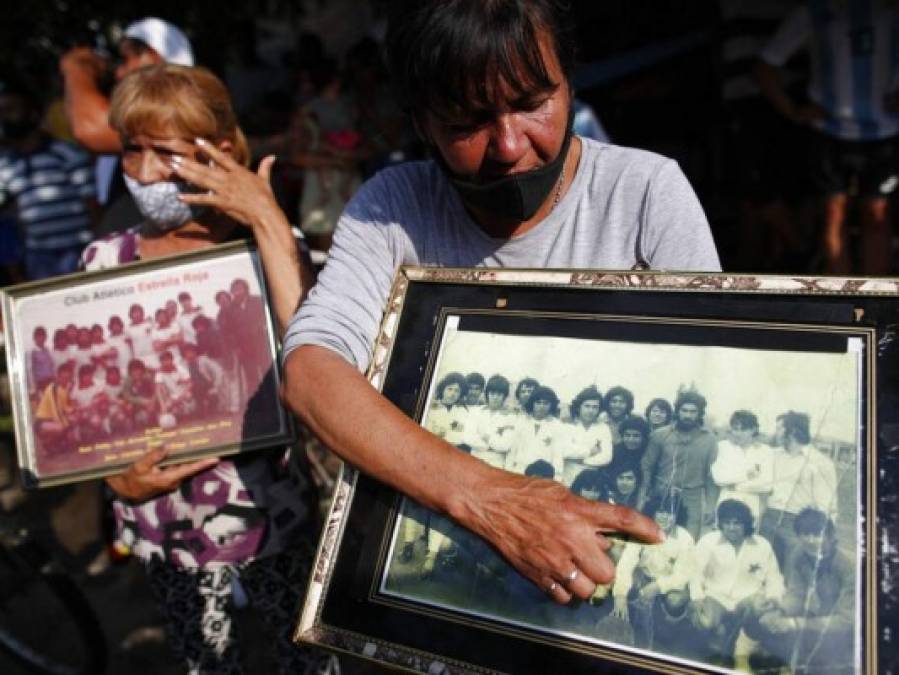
column 481, row 97
column 177, row 364
column 751, row 568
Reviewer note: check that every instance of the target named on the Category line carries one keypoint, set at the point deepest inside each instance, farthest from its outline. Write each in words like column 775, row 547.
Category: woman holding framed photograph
column 199, row 525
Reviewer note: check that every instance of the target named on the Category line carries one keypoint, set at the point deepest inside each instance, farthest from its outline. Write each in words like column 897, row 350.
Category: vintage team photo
column 178, row 357
column 748, row 459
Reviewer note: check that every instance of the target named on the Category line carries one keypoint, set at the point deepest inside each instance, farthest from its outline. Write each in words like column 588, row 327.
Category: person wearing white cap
column 144, row 42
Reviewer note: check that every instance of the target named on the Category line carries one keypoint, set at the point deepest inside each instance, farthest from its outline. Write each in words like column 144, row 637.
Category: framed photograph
column 177, row 352
column 756, row 418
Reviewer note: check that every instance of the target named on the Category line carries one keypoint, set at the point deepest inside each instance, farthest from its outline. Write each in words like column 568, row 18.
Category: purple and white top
column 239, row 510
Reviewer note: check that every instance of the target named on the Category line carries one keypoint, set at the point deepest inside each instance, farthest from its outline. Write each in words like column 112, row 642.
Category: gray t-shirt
column 624, row 207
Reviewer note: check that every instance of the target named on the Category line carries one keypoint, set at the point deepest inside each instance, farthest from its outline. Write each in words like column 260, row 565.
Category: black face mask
column 516, row 197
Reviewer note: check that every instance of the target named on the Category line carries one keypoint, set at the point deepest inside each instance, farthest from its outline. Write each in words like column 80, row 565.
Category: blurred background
column 678, row 77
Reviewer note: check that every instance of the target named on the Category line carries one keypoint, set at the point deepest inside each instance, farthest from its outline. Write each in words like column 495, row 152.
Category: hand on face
column 232, row 189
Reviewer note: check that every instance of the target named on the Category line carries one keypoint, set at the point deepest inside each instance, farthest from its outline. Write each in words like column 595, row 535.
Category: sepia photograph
column 749, row 458
column 179, row 356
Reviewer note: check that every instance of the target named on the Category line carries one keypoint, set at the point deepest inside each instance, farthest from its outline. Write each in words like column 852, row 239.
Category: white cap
column 165, row 38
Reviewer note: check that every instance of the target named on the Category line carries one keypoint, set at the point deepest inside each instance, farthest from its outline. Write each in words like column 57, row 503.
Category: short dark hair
column 540, row 469
column 85, row 369
column 497, row 383
column 813, row 521
column 526, row 381
column 67, row 367
column 543, row 394
column 734, row 509
column 635, row 423
column 591, row 393
column 624, row 393
column 615, row 469
column 746, row 420
column 590, row 479
column 797, row 425
column 691, row 397
column 440, row 53
column 184, row 295
column 136, row 363
column 475, row 379
column 448, row 379
column 671, row 503
column 240, row 282
column 663, row 405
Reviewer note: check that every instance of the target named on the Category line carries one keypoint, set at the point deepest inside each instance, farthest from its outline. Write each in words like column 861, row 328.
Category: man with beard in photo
column 678, row 461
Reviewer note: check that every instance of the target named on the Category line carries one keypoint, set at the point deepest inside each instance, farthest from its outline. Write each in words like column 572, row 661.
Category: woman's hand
column 234, row 190
column 550, row 535
column 145, row 478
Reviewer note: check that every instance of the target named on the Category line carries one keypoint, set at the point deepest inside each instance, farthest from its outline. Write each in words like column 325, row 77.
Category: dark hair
column 134, row 363
column 746, row 420
column 590, row 479
column 813, row 521
column 448, row 379
column 133, row 307
column 797, row 425
column 591, row 393
column 540, row 469
column 200, row 319
column 67, row 367
column 635, row 423
column 445, row 55
column 497, row 383
column 85, row 369
column 694, row 397
column 734, row 509
column 184, row 295
column 529, row 381
column 39, row 328
column 626, row 394
column 543, row 394
column 670, row 503
column 474, row 379
column 116, row 318
column 615, row 469
column 662, row 404
column 240, row 282
column 166, row 354
column 222, row 293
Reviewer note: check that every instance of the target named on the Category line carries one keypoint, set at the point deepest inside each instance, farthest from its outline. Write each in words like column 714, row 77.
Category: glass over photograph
column 749, row 458
column 180, row 358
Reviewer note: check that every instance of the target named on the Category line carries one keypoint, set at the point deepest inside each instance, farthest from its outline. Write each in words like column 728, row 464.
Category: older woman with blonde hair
column 199, row 525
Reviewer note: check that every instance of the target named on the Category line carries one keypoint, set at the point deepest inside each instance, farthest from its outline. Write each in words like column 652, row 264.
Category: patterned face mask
column 158, row 202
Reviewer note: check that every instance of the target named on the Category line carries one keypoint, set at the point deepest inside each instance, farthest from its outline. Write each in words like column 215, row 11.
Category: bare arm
column 248, row 198
column 539, row 526
column 87, row 109
column 770, row 81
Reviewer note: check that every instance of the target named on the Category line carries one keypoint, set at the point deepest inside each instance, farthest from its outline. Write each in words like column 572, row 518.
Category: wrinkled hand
column 231, row 188
column 145, row 478
column 82, row 59
column 546, row 532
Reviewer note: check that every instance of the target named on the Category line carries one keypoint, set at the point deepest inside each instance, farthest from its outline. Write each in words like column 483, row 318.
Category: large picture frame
column 815, row 363
column 178, row 352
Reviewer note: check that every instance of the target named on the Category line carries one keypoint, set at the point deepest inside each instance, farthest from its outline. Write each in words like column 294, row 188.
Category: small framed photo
column 755, row 418
column 177, row 352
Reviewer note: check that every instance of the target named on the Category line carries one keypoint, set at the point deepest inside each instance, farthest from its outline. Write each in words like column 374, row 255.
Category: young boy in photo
column 173, row 389
column 139, row 396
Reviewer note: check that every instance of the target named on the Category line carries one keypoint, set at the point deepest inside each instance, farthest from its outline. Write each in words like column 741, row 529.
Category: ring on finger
column 572, row 575
column 552, row 587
